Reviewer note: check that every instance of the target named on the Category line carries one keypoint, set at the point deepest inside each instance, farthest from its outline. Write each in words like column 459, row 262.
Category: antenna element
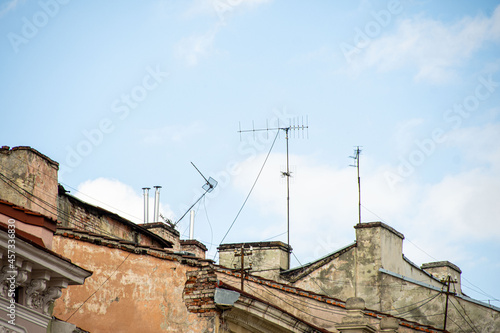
column 287, row 173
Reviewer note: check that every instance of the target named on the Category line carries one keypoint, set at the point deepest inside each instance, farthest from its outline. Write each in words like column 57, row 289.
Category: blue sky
column 126, row 94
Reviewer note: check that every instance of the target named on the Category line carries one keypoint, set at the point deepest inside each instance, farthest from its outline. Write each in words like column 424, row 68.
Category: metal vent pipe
column 191, row 226
column 146, row 204
column 157, row 204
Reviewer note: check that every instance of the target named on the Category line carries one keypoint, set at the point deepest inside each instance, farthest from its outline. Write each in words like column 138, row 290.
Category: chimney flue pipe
column 157, row 204
column 146, row 204
column 191, row 226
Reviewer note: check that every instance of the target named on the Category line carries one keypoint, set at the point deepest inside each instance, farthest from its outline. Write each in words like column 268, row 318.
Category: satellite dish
column 208, row 187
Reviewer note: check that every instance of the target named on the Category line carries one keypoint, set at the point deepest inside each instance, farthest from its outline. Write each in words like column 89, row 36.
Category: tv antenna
column 208, row 187
column 294, row 124
column 357, row 152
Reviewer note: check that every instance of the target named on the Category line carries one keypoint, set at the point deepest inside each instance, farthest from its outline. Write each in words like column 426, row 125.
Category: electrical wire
column 102, row 284
column 283, row 233
column 459, row 327
column 68, row 186
column 295, row 300
column 289, row 304
column 473, row 329
column 382, row 220
column 421, row 305
column 465, row 312
column 481, row 291
column 53, row 209
column 326, row 293
column 399, row 314
column 102, row 202
column 251, row 189
column 410, row 305
column 430, row 256
column 209, row 224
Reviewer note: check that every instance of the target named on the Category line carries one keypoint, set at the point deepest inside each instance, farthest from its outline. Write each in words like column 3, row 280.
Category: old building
column 145, row 278
column 32, row 275
column 375, row 269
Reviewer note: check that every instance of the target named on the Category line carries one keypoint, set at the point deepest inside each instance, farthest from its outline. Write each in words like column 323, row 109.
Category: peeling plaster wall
column 334, row 278
column 267, row 259
column 33, row 172
column 304, row 306
column 379, row 247
column 398, row 294
column 165, row 232
column 145, row 294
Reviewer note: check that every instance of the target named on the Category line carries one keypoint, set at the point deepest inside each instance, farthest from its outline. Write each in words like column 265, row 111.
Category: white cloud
column 193, row 48
column 222, row 8
column 435, row 48
column 119, row 198
column 322, row 199
column 450, row 218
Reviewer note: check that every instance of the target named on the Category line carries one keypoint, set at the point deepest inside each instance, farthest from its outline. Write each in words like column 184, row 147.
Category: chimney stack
column 191, row 226
column 157, row 204
column 146, row 204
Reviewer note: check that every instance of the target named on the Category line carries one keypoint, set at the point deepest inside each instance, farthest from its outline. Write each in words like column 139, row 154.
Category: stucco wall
column 407, row 293
column 334, row 278
column 145, row 293
column 34, row 172
column 319, row 311
column 417, row 303
column 266, row 259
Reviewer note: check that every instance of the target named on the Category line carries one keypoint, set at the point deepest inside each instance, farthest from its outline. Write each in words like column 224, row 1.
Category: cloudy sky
column 126, row 94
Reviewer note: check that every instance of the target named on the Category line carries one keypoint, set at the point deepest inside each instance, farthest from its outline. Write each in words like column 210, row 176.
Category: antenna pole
column 359, row 185
column 357, row 152
column 287, row 173
column 287, row 197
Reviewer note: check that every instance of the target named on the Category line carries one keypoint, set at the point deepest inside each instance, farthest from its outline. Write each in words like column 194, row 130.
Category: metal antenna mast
column 286, row 173
column 357, row 152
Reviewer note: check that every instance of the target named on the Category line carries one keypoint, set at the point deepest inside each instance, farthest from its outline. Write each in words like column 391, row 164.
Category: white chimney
column 146, row 204
column 191, row 226
column 157, row 204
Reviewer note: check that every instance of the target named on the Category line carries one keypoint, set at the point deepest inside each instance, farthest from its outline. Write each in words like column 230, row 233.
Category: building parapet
column 379, row 224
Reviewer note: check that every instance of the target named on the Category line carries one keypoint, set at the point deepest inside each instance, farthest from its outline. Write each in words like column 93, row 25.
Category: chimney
column 442, row 269
column 146, row 204
column 191, row 226
column 157, row 204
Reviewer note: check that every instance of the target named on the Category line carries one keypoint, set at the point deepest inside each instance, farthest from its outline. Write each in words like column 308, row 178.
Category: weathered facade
column 268, row 259
column 145, row 278
column 134, row 288
column 375, row 269
column 29, row 179
column 32, row 276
